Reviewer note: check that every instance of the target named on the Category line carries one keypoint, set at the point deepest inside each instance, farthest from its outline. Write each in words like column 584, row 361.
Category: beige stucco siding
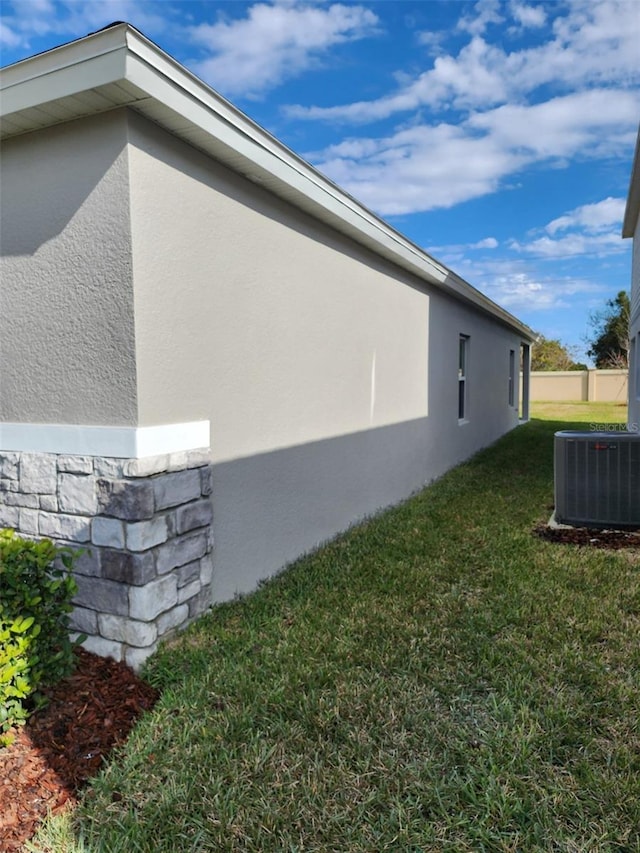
column 67, row 351
column 249, row 313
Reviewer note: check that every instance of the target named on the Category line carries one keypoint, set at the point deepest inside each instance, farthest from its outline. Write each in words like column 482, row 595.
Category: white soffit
column 119, row 67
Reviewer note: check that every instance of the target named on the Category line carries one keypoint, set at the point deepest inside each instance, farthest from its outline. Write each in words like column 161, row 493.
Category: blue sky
column 498, row 135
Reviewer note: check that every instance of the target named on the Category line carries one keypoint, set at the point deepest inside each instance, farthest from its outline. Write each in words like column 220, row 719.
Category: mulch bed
column 63, row 745
column 587, row 537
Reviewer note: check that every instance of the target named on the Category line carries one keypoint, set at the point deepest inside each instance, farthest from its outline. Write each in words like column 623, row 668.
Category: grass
column 437, row 679
column 598, row 414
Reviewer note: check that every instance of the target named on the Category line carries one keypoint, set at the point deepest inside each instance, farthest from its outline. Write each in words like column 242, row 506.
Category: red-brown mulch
column 590, row 538
column 63, row 745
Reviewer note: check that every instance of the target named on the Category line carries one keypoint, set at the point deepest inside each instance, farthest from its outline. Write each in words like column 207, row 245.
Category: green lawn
column 598, row 414
column 437, row 679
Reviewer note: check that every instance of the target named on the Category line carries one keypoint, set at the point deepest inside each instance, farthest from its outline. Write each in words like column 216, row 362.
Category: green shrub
column 16, row 639
column 36, row 589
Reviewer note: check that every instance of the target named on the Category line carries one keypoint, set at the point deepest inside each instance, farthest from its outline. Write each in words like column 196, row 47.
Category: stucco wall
column 67, row 349
column 565, row 385
column 297, row 338
column 144, row 284
column 329, row 377
column 594, row 385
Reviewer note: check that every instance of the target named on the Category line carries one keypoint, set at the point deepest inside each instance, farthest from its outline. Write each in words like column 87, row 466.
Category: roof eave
column 54, row 74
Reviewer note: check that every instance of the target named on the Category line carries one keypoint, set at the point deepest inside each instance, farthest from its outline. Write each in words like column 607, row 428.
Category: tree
column 550, row 354
column 610, row 346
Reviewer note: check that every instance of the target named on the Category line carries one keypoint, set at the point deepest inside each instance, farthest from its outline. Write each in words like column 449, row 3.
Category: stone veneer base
column 144, row 527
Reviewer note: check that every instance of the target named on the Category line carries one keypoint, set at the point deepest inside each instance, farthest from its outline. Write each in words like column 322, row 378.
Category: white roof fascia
column 121, row 54
column 54, row 74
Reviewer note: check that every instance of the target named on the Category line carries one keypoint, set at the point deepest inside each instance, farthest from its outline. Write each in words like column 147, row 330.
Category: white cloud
column 274, row 42
column 425, row 167
column 9, row 36
column 420, row 168
column 597, row 42
column 595, row 122
column 487, row 243
column 591, row 217
column 529, row 16
column 473, row 77
column 521, row 289
column 29, row 18
column 519, row 278
column 589, row 230
column 242, row 56
column 431, row 39
column 457, row 250
column 98, row 13
column 594, row 44
column 24, row 20
column 573, row 245
column 485, row 12
column 518, row 291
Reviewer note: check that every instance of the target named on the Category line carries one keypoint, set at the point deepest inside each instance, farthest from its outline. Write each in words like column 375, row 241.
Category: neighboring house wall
column 330, row 380
column 603, row 386
column 631, row 228
column 634, row 331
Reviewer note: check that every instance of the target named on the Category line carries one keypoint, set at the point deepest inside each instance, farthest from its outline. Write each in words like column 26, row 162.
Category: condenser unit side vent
column 597, row 479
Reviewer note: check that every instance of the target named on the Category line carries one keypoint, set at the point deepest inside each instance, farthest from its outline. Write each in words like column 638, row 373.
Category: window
column 523, row 395
column 463, row 359
column 512, row 377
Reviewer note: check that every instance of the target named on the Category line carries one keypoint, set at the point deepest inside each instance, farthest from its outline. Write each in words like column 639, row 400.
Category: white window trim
column 512, row 396
column 463, row 376
column 635, row 363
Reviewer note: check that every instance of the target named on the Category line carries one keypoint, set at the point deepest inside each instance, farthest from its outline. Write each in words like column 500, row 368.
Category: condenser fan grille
column 597, row 479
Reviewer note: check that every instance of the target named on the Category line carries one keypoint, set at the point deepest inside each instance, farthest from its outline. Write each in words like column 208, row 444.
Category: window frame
column 512, row 378
column 634, row 364
column 463, row 375
column 524, row 386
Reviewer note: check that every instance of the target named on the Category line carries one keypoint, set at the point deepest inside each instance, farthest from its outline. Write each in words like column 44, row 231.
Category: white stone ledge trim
column 121, row 442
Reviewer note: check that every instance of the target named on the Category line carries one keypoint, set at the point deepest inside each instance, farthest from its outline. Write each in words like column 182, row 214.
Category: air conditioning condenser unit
column 597, row 479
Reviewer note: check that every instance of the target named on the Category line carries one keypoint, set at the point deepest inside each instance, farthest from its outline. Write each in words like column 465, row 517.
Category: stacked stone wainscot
column 145, row 530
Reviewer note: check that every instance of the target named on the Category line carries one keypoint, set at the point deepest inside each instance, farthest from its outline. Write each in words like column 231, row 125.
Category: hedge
column 36, row 588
